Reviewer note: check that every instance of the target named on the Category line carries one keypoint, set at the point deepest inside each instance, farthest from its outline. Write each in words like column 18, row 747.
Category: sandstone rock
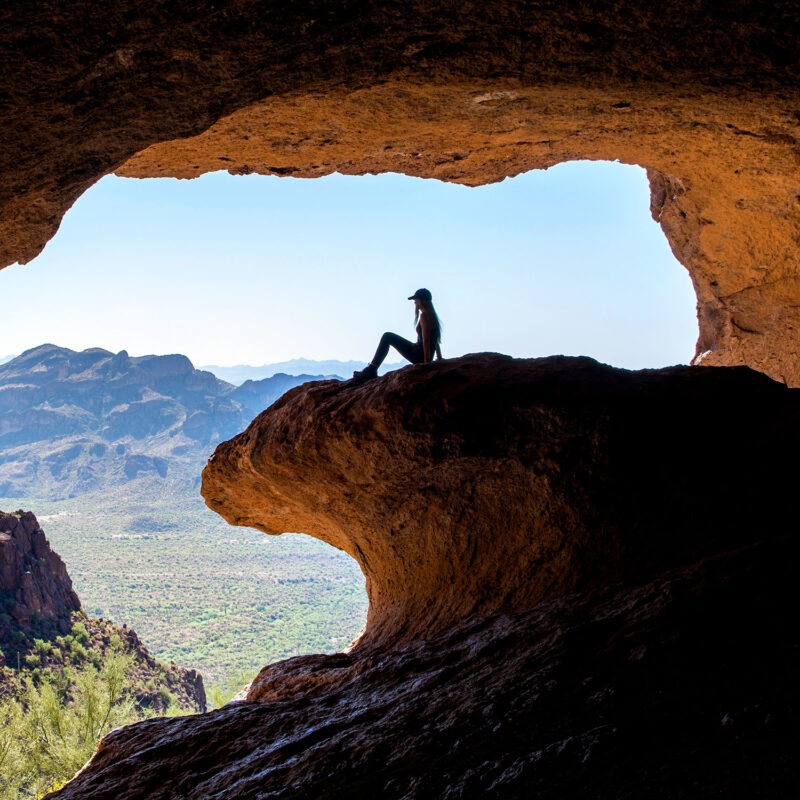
column 682, row 687
column 580, row 583
column 705, row 96
column 436, row 478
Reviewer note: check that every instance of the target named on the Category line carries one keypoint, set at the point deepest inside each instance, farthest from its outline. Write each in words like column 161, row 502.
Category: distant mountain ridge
column 240, row 373
column 73, row 421
column 295, row 366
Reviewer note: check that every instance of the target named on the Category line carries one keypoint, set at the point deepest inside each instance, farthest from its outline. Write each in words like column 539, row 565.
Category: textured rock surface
column 33, row 578
column 580, row 583
column 437, row 478
column 704, row 95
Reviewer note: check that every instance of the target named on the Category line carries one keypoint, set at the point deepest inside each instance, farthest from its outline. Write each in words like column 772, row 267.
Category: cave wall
column 703, row 95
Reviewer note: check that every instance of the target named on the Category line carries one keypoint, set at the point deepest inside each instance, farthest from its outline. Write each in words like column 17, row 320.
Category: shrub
column 166, row 696
column 41, row 647
column 78, row 652
column 50, row 729
column 80, row 633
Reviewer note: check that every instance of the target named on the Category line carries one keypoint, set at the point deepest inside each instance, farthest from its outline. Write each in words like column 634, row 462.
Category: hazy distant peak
column 72, row 364
column 297, row 367
column 45, row 351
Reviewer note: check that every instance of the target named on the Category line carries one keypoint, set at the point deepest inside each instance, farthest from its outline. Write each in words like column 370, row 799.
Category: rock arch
column 705, row 97
column 702, row 94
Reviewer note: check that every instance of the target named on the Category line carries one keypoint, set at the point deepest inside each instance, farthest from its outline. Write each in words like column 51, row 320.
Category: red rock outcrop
column 580, row 585
column 485, row 483
column 704, row 95
column 33, row 579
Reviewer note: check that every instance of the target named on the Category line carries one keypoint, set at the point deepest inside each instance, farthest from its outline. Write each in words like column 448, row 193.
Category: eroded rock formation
column 705, row 96
column 580, row 585
column 34, row 584
column 437, row 480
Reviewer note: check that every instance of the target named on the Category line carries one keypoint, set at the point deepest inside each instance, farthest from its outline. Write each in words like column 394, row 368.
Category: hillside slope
column 43, row 629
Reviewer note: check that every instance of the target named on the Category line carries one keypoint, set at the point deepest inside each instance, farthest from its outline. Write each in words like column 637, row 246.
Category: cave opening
column 233, row 270
column 221, row 267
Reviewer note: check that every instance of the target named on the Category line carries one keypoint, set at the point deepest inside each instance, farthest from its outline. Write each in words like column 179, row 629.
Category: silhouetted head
column 422, row 294
column 423, row 299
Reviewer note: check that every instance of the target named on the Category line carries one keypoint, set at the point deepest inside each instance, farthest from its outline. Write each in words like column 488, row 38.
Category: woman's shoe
column 370, row 371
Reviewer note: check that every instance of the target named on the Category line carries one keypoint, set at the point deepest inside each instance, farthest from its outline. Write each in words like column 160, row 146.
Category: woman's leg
column 409, row 350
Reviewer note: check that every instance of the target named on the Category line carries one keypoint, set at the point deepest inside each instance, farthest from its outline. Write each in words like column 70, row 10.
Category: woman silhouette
column 429, row 335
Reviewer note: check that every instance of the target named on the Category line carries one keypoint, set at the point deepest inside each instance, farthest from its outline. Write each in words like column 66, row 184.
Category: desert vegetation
column 62, row 697
column 150, row 563
column 107, row 451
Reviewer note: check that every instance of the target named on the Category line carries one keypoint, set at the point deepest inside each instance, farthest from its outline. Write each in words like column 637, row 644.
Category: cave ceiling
column 703, row 95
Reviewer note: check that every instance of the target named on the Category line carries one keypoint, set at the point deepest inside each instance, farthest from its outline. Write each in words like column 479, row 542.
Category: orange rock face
column 579, row 579
column 705, row 97
column 580, row 586
column 488, row 484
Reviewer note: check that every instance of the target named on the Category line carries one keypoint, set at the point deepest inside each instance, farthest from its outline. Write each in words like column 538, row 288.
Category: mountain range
column 72, row 422
column 240, row 373
column 296, row 366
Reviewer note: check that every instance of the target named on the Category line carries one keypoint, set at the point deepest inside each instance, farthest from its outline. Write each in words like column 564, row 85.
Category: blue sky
column 255, row 269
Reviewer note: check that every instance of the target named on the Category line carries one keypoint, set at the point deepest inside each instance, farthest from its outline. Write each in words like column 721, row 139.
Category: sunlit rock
column 34, row 584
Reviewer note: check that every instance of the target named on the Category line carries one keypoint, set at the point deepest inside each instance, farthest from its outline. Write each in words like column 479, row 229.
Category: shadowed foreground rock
column 580, row 585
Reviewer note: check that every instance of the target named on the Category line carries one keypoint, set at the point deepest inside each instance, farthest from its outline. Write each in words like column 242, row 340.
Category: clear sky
column 253, row 270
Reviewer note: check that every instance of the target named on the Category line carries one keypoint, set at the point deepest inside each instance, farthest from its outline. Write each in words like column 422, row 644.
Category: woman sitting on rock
column 429, row 334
